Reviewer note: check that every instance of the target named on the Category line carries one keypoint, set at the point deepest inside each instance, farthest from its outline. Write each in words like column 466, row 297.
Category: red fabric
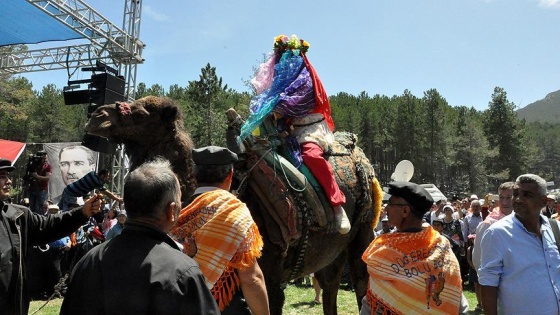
column 11, row 150
column 39, row 185
column 321, row 98
column 324, row 173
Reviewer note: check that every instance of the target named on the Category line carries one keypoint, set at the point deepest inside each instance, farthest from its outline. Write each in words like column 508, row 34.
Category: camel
column 152, row 126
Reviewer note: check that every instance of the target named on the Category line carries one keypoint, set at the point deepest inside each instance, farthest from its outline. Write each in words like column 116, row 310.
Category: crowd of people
column 158, row 257
column 423, row 254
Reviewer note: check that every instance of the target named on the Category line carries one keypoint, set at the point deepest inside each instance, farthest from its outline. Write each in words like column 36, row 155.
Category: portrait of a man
column 70, row 161
column 75, row 162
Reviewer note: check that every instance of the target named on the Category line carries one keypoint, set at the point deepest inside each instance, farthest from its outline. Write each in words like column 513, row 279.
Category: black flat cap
column 6, row 165
column 213, row 155
column 415, row 195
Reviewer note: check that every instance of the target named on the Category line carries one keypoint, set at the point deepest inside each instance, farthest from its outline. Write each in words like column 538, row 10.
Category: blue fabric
column 23, row 23
column 525, row 269
column 84, row 185
column 298, row 99
column 285, row 72
column 59, row 243
column 470, row 224
column 36, row 201
column 114, row 231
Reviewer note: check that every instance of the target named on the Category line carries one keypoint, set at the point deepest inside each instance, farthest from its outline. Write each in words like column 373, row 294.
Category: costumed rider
column 289, row 89
column 217, row 230
column 413, row 270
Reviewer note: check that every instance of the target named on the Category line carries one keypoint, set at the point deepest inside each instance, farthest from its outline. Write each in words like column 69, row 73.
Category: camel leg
column 358, row 269
column 329, row 279
column 276, row 297
column 271, row 263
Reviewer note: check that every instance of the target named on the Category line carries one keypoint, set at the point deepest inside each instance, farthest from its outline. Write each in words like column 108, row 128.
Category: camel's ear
column 169, row 113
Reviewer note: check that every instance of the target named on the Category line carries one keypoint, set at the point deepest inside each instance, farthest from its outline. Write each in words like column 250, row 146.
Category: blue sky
column 461, row 48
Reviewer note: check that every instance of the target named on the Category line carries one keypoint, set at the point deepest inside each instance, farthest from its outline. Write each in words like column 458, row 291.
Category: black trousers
column 237, row 306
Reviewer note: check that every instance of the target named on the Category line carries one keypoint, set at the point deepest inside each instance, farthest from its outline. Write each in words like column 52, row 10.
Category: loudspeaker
column 106, row 88
column 76, row 97
column 99, row 144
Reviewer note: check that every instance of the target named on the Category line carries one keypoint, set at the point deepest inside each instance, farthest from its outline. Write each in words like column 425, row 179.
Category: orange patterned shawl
column 412, row 273
column 226, row 238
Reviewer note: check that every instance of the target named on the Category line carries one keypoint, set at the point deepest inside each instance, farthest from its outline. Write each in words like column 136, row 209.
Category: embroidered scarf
column 412, row 273
column 226, row 239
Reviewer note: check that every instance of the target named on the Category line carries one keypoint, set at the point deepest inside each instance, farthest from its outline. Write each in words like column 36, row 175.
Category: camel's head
column 140, row 121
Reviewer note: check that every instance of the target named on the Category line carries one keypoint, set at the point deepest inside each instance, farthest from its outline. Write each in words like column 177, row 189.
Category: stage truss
column 120, row 48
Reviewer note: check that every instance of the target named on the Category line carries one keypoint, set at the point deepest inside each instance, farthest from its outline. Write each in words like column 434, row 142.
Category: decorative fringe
column 225, row 288
column 378, row 306
column 377, row 193
column 246, row 256
column 228, row 284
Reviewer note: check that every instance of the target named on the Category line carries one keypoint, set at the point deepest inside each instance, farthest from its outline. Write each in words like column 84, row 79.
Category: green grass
column 52, row 307
column 299, row 301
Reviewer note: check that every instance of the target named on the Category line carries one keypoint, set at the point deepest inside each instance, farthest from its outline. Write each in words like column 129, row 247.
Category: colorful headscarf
column 293, row 90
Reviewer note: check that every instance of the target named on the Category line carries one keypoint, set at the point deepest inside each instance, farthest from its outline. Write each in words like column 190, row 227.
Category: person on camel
column 289, row 89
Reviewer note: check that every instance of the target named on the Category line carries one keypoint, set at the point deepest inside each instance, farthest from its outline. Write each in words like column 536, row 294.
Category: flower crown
column 283, row 43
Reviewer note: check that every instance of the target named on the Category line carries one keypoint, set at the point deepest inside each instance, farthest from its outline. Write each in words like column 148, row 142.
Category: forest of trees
column 459, row 149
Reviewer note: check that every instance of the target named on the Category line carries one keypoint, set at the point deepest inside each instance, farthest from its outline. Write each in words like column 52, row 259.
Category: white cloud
column 158, row 16
column 553, row 4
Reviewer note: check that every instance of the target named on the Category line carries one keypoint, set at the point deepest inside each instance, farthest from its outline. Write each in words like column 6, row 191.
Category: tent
column 11, row 150
column 434, row 192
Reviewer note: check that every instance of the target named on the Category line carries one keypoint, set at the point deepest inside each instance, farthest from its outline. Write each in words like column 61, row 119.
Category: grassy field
column 299, row 301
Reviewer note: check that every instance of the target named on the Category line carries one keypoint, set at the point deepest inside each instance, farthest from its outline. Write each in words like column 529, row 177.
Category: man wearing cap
column 519, row 267
column 550, row 209
column 217, row 230
column 21, row 228
column 413, row 270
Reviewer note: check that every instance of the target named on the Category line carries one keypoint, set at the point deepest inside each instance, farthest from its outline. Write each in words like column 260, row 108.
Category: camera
column 33, row 163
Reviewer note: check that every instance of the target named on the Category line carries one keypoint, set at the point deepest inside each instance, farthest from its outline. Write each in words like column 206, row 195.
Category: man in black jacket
column 142, row 270
column 21, row 228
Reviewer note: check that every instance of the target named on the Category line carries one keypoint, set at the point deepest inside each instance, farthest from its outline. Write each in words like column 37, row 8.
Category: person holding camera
column 40, row 174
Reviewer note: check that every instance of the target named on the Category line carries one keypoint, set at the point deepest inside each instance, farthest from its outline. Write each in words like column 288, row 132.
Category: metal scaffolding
column 120, row 48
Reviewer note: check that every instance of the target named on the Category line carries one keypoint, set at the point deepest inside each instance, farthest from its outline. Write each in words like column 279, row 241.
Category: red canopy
column 11, row 150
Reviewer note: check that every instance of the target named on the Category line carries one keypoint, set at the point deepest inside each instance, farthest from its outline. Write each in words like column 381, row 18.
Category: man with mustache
column 519, row 256
column 21, row 228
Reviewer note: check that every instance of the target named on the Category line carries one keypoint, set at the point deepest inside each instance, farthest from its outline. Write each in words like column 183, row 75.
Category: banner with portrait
column 69, row 161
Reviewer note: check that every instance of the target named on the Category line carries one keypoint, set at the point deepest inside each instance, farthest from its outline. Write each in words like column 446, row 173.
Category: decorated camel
column 298, row 234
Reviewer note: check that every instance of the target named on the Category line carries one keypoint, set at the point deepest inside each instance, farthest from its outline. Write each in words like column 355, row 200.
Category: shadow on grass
column 308, row 304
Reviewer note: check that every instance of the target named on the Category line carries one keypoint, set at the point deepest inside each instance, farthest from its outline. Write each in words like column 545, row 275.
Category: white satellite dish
column 403, row 171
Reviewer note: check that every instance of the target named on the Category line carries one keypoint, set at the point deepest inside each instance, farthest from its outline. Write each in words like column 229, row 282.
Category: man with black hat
column 21, row 228
column 413, row 270
column 217, row 230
